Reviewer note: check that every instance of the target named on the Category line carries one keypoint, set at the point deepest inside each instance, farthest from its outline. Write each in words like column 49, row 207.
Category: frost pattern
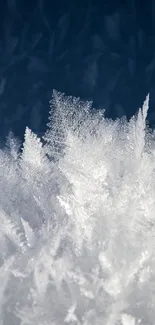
column 77, row 216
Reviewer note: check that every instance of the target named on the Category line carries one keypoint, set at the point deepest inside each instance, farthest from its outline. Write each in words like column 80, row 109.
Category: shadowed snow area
column 77, row 220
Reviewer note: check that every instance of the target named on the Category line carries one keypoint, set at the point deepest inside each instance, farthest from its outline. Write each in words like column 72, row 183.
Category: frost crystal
column 77, row 215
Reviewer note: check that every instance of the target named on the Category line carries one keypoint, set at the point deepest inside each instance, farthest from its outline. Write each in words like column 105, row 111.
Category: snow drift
column 77, row 220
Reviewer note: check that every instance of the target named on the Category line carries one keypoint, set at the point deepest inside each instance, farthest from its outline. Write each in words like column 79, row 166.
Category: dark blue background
column 98, row 50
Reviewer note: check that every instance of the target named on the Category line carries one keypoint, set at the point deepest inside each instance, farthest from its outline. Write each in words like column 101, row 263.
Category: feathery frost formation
column 77, row 220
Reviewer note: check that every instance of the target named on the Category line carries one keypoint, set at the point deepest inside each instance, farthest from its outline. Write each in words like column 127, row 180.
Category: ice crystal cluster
column 77, row 220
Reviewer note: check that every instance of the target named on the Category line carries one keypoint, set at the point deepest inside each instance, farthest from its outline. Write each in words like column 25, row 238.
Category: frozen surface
column 77, row 220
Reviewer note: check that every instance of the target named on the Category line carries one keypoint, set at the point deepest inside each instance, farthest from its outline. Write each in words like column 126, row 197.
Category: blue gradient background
column 102, row 50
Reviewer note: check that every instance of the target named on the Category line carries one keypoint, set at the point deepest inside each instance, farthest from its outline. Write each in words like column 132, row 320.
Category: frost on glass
column 77, row 220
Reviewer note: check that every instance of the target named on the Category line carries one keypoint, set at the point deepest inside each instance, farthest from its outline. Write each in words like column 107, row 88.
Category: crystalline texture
column 77, row 220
